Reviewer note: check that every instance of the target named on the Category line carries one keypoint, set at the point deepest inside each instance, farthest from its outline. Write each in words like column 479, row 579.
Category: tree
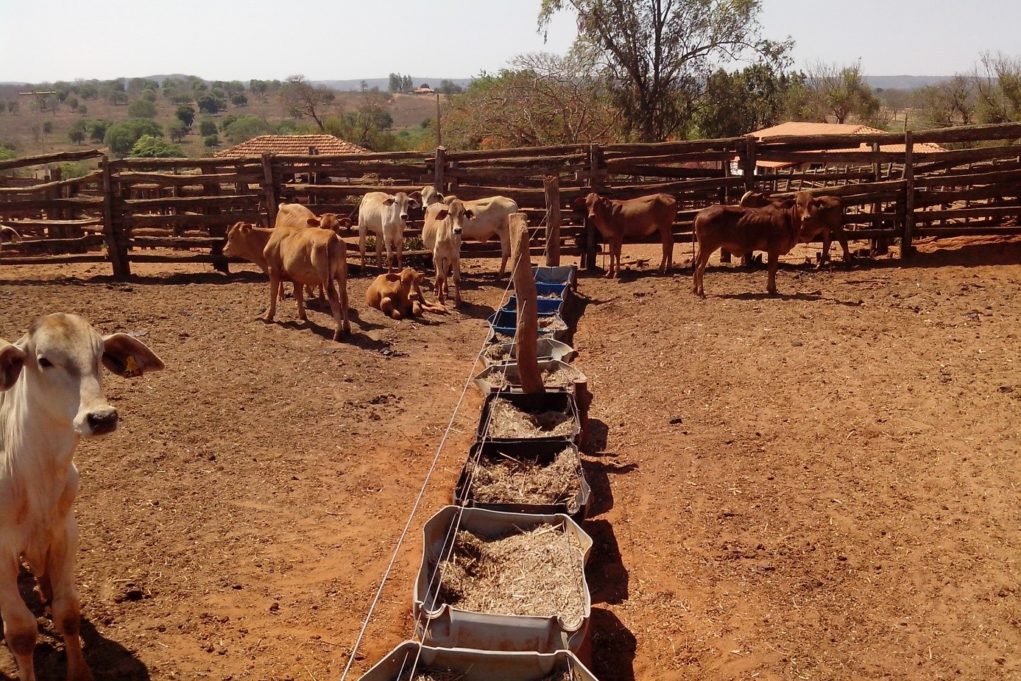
column 177, row 130
column 239, row 99
column 737, row 103
column 210, row 103
column 97, row 129
column 302, row 100
column 949, row 103
column 77, row 132
column 543, row 99
column 843, row 92
column 449, row 87
column 207, row 127
column 141, row 108
column 186, row 114
column 245, row 128
column 998, row 88
column 659, row 54
column 121, row 136
column 211, row 141
column 148, row 146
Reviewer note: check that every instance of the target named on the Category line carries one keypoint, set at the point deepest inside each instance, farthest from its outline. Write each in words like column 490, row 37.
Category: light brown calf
column 399, row 295
column 634, row 219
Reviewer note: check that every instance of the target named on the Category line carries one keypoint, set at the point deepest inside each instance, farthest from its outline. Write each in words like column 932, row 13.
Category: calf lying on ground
column 50, row 396
column 399, row 295
column 634, row 219
column 305, row 256
column 773, row 228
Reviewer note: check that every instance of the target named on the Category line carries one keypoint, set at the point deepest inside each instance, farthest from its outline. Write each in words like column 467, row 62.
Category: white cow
column 51, row 395
column 385, row 215
column 442, row 232
column 491, row 218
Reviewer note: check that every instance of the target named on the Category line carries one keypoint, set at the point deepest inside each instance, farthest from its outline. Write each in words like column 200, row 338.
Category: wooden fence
column 182, row 208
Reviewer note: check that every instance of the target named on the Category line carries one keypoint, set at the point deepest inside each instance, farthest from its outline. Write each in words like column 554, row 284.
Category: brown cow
column 634, row 218
column 774, row 228
column 399, row 295
column 305, row 256
column 823, row 216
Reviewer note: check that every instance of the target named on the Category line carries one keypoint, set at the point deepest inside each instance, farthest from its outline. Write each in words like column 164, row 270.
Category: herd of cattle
column 50, row 384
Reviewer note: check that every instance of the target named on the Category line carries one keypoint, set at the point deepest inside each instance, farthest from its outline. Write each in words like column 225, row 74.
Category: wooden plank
column 50, row 204
column 664, row 148
column 284, row 159
column 68, row 259
column 948, row 159
column 970, row 212
column 58, row 157
column 934, row 198
column 829, row 157
column 969, row 133
column 679, row 186
column 83, row 222
column 969, row 179
column 184, row 242
column 252, row 164
column 174, row 180
column 220, row 219
column 786, row 143
column 972, row 230
column 193, row 201
column 516, row 152
column 346, row 189
column 93, row 177
column 907, row 248
column 663, row 171
column 566, row 161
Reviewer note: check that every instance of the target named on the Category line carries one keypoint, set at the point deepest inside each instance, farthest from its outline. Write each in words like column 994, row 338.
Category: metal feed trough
column 561, row 402
column 476, row 665
column 543, row 453
column 546, row 349
column 447, row 626
column 505, row 377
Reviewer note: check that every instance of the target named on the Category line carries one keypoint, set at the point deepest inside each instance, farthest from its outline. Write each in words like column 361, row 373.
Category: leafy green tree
column 77, row 132
column 186, row 114
column 948, row 103
column 182, row 98
column 148, row 146
column 141, row 108
column 449, row 87
column 97, row 129
column 207, row 127
column 843, row 92
column 245, row 128
column 368, row 126
column 121, row 136
column 210, row 103
column 6, row 152
column 998, row 88
column 211, row 141
column 239, row 99
column 227, row 120
column 739, row 102
column 658, row 54
column 148, row 95
column 177, row 130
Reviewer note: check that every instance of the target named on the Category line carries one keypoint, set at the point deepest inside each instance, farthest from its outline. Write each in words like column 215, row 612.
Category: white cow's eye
column 45, row 363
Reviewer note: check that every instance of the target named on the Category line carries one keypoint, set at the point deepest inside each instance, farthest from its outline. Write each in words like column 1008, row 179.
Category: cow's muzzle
column 102, row 421
column 457, row 230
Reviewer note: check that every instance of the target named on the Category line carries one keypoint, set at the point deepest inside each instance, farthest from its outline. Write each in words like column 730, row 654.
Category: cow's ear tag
column 131, row 368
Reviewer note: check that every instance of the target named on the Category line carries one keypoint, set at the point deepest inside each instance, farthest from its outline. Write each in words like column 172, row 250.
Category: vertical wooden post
column 595, row 185
column 117, row 253
column 880, row 244
column 439, row 169
column 269, row 187
column 551, row 185
column 528, row 317
column 55, row 175
column 906, row 249
column 748, row 163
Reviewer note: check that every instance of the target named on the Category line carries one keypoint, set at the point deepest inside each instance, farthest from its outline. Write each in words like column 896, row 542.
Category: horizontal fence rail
column 891, row 188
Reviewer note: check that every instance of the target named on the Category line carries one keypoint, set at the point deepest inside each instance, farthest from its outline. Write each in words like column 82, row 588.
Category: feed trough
column 503, row 581
column 513, row 417
column 524, row 477
column 551, row 289
column 545, row 306
column 504, row 324
column 411, row 661
column 506, row 377
column 546, row 348
column 563, row 274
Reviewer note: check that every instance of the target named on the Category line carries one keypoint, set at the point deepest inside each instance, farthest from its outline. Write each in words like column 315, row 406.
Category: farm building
column 812, row 128
column 291, row 144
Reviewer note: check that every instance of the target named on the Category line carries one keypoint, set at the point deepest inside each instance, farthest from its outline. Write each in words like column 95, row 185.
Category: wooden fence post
column 269, row 187
column 525, row 339
column 116, row 247
column 439, row 170
column 552, row 187
column 595, row 156
column 906, row 248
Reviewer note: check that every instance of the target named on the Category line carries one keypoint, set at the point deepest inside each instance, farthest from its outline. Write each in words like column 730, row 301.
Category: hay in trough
column 507, row 421
column 537, row 573
column 451, row 675
column 552, row 323
column 504, row 479
column 498, row 352
column 552, row 377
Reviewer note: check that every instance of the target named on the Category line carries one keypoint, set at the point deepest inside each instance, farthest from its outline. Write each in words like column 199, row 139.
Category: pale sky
column 47, row 40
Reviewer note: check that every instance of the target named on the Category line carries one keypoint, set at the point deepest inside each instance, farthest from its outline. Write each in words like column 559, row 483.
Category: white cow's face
column 400, row 203
column 60, row 364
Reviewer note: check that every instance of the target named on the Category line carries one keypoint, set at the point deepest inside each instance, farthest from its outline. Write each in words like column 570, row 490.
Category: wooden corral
column 123, row 207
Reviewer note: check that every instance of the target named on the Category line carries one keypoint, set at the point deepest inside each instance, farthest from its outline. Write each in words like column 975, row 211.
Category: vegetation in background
column 301, row 99
column 149, row 146
column 121, row 136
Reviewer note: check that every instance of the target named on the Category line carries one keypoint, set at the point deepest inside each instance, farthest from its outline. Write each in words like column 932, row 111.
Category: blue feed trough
column 547, row 306
column 564, row 274
column 505, row 323
column 544, row 288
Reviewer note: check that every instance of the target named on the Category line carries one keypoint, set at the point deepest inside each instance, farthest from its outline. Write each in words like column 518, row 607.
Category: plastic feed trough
column 546, row 349
column 564, row 274
column 477, row 665
column 557, row 289
column 541, row 452
column 505, row 378
column 505, row 322
column 562, row 402
column 546, row 306
column 446, row 626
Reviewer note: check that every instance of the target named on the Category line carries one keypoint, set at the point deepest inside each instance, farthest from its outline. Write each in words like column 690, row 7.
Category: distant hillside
column 903, row 82
column 384, row 83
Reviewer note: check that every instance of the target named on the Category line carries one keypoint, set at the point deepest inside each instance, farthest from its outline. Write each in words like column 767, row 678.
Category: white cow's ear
column 389, row 201
column 12, row 360
column 127, row 356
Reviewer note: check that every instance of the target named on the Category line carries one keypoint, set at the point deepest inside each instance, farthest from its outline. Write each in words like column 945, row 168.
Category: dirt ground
column 821, row 485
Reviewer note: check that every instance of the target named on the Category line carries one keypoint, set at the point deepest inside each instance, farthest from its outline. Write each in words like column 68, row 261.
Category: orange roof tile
column 291, row 144
column 810, row 128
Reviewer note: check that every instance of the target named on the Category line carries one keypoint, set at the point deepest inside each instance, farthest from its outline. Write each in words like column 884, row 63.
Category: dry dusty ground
column 821, row 485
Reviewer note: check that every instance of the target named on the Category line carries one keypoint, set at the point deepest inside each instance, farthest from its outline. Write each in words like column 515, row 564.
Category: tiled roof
column 291, row 144
column 809, row 128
